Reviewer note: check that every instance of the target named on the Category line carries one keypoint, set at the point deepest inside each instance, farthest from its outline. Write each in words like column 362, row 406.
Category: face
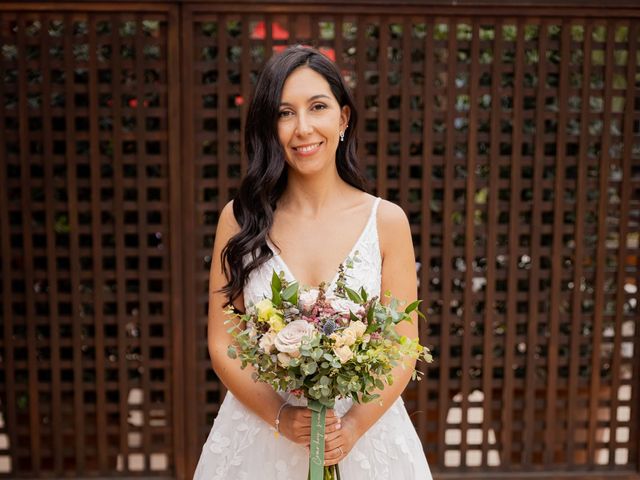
column 309, row 122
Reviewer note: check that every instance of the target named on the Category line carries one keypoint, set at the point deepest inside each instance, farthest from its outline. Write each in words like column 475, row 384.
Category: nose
column 303, row 126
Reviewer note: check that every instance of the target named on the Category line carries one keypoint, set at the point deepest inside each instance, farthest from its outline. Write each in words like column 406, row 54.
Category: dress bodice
column 242, row 446
column 366, row 271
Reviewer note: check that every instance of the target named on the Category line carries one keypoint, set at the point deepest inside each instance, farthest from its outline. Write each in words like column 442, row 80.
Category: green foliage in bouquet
column 324, row 345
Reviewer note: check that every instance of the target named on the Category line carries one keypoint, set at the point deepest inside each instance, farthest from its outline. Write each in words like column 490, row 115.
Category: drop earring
column 342, row 133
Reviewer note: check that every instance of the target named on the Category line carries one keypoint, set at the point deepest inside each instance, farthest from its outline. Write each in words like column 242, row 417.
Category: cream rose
column 358, row 328
column 343, row 353
column 266, row 342
column 290, row 337
column 284, row 359
column 345, row 337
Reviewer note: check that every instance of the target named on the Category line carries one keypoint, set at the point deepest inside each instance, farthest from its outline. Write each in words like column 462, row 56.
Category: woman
column 302, row 209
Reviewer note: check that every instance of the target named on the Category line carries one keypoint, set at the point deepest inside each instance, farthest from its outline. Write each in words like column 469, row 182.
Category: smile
column 308, row 149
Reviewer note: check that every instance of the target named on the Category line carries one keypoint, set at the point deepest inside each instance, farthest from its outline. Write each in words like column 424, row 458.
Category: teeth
column 308, row 148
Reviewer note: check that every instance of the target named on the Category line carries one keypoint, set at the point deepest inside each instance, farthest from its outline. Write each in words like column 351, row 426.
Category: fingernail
column 339, row 426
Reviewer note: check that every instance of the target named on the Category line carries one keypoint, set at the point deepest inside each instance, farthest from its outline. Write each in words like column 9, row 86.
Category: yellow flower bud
column 265, row 309
column 276, row 322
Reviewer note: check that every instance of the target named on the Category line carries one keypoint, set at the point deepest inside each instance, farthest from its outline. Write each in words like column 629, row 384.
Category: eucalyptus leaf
column 353, row 295
column 294, row 362
column 290, row 293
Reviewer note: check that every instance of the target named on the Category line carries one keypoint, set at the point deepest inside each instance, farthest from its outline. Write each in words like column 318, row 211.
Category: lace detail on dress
column 241, row 446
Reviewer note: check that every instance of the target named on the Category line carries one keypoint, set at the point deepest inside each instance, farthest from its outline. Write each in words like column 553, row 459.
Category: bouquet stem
column 317, row 470
column 332, row 472
column 316, row 447
column 329, row 473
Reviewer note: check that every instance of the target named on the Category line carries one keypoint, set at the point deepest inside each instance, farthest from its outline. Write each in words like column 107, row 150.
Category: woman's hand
column 295, row 424
column 339, row 441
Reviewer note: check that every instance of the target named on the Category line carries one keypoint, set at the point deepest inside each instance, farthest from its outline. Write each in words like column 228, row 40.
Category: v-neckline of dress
column 337, row 270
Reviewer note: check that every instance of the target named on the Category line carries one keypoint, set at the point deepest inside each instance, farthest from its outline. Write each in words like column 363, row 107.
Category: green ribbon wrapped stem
column 316, row 450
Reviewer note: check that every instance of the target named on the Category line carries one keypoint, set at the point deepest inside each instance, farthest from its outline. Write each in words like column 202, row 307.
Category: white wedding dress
column 241, row 446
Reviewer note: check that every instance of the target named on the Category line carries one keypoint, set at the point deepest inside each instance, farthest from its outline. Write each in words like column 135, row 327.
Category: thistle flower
column 329, row 327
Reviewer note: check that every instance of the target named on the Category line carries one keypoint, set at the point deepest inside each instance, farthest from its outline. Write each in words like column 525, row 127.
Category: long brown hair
column 266, row 178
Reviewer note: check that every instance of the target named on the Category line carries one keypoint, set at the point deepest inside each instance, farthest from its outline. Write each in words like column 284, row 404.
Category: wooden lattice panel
column 512, row 142
column 85, row 257
column 490, row 133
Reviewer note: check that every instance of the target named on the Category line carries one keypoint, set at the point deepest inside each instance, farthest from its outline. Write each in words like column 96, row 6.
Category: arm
column 398, row 277
column 260, row 398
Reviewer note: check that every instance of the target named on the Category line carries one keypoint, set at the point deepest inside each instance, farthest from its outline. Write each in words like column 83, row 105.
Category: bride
column 303, row 210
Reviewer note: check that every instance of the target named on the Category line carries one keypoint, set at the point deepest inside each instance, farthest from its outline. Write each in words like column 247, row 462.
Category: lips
column 307, row 149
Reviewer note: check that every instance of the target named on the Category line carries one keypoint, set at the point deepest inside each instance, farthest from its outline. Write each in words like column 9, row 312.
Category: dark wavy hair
column 266, row 177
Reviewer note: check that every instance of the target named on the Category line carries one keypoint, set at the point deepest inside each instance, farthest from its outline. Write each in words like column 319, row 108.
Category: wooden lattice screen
column 88, row 257
column 512, row 140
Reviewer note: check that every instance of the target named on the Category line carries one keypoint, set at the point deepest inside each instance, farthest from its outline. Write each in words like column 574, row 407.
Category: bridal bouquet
column 323, row 345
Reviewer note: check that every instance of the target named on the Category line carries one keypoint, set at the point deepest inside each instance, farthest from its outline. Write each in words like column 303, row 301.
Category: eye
column 318, row 106
column 284, row 113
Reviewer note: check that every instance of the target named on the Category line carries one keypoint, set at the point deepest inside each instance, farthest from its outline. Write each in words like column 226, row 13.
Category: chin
column 309, row 168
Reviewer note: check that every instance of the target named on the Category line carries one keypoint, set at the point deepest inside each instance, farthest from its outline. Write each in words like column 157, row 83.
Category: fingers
column 295, row 424
column 333, row 440
column 335, row 455
column 335, row 447
column 332, row 422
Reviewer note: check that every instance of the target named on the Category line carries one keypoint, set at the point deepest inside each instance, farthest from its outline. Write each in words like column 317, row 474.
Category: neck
column 309, row 195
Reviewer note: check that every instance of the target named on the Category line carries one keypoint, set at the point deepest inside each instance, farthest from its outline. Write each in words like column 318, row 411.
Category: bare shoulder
column 394, row 230
column 226, row 229
column 227, row 223
column 391, row 215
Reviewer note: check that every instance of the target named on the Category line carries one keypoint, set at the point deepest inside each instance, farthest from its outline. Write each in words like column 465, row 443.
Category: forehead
column 304, row 83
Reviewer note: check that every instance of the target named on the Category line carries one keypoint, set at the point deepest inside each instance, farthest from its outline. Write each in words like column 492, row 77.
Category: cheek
column 283, row 134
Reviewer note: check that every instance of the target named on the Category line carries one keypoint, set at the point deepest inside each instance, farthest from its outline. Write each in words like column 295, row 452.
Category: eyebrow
column 311, row 99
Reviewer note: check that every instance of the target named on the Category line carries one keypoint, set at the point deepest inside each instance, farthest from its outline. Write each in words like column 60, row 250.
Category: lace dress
column 242, row 446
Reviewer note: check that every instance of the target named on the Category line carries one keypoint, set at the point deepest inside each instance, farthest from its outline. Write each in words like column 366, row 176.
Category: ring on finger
column 341, row 451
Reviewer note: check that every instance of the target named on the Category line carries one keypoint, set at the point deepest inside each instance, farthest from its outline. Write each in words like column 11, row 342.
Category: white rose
column 266, row 342
column 344, row 305
column 307, row 298
column 343, row 353
column 290, row 337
